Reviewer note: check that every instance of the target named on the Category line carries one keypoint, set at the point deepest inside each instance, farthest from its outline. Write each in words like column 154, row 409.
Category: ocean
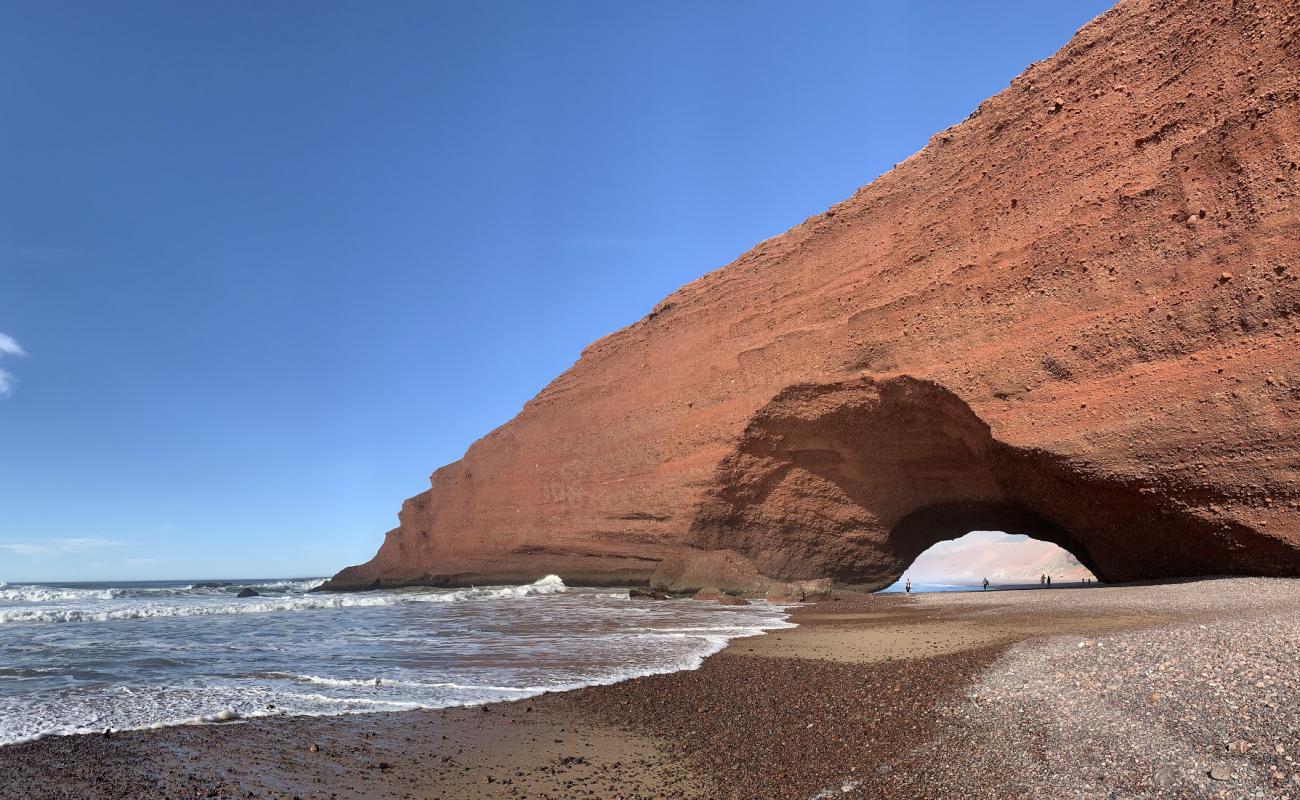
column 79, row 658
column 918, row 587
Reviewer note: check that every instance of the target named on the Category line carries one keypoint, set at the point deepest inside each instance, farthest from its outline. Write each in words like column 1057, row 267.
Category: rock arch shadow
column 854, row 479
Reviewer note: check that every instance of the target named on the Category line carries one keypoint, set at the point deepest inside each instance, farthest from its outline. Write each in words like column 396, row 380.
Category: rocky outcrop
column 646, row 594
column 1074, row 315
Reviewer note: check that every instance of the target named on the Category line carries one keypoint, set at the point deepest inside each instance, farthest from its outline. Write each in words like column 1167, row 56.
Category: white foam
column 526, row 641
column 204, row 605
column 305, row 585
column 156, row 610
column 382, row 682
column 551, row 584
column 26, row 593
column 158, row 707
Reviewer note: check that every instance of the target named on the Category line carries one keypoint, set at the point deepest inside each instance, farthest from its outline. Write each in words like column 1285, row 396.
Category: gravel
column 1205, row 707
column 1212, row 597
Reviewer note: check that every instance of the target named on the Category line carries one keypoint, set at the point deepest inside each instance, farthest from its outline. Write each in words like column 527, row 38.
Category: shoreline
column 216, row 720
column 871, row 696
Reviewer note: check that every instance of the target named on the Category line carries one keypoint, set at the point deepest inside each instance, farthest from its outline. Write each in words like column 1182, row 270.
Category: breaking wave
column 389, row 682
column 40, row 593
column 551, row 584
column 50, row 594
column 198, row 657
column 67, row 605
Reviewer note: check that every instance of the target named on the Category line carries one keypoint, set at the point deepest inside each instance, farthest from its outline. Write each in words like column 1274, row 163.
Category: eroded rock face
column 858, row 477
column 1074, row 315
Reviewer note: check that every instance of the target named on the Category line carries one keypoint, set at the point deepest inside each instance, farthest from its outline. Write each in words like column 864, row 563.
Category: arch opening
column 1005, row 560
column 927, row 528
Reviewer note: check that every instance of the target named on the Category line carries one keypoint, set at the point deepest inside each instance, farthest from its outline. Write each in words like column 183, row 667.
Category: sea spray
column 35, row 603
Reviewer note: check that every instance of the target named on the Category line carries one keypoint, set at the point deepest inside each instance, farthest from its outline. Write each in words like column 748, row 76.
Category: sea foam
column 38, row 604
column 191, row 654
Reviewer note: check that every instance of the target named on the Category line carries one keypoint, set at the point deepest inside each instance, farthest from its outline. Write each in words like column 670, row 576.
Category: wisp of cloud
column 9, row 346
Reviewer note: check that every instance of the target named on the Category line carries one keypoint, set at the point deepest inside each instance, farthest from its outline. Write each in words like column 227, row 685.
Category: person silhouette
column 907, row 587
column 1049, row 581
column 986, row 584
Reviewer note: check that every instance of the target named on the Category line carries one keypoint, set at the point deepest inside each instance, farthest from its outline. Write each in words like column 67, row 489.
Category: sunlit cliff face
column 1000, row 557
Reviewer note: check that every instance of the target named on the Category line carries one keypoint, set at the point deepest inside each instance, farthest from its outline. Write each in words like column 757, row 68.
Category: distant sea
column 82, row 657
column 928, row 587
column 966, row 587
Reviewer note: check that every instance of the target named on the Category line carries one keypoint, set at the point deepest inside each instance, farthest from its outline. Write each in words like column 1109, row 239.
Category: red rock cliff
column 1074, row 315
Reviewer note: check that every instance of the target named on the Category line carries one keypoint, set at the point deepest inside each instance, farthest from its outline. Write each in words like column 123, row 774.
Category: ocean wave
column 356, row 701
column 24, row 672
column 304, row 585
column 203, row 606
column 36, row 593
column 222, row 588
column 162, row 706
column 154, row 611
column 551, row 584
column 586, row 640
column 28, row 593
column 732, row 630
column 381, row 682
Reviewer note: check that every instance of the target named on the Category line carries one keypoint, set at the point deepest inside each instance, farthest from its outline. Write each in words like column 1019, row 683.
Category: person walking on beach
column 907, row 587
column 986, row 584
column 1042, row 580
column 1049, row 581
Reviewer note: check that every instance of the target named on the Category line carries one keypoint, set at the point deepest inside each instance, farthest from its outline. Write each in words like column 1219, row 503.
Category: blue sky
column 264, row 266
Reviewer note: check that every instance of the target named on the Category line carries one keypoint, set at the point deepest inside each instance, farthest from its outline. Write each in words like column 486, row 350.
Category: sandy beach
column 1107, row 692
column 650, row 401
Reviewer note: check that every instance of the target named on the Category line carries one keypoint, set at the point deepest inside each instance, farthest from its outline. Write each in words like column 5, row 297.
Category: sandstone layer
column 1073, row 315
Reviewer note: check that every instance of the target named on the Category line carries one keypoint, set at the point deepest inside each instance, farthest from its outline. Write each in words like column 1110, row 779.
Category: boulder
column 790, row 593
column 716, row 570
column 246, row 592
column 732, row 600
column 818, row 589
column 646, row 594
column 713, row 594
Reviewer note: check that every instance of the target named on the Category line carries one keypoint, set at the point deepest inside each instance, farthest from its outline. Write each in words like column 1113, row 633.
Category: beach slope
column 1178, row 690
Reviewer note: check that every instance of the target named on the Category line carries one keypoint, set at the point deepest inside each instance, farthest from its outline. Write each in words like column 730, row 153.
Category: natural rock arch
column 1111, row 285
column 853, row 479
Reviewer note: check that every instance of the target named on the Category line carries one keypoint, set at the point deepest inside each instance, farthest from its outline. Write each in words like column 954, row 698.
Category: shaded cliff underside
column 1074, row 315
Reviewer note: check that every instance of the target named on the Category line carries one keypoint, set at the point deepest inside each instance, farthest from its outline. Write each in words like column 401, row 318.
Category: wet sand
column 871, row 697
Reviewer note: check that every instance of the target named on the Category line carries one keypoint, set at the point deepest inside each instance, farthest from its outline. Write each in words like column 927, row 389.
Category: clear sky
column 264, row 266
